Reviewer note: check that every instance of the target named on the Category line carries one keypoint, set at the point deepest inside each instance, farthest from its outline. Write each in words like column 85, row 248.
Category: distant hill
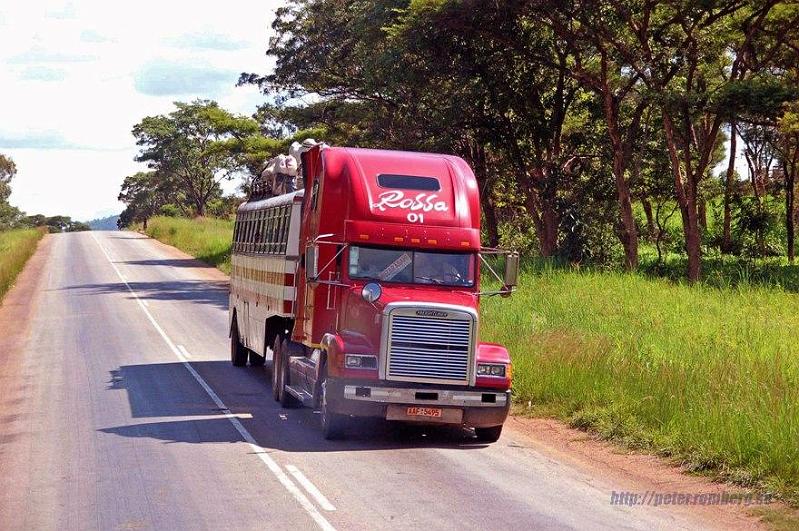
column 109, row 223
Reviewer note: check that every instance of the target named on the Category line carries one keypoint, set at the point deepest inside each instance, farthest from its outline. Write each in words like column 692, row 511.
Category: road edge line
column 261, row 452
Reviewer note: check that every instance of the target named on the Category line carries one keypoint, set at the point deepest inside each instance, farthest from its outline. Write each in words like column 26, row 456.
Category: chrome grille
column 429, row 348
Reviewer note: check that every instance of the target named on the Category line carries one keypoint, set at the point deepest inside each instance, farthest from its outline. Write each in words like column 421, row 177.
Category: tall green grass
column 16, row 246
column 208, row 239
column 709, row 376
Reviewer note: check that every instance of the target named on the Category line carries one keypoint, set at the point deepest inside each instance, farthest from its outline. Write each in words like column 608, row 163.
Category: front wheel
column 488, row 434
column 285, row 398
column 332, row 423
column 238, row 354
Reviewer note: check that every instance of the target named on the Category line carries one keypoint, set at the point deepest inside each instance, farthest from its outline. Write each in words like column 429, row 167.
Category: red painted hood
column 360, row 324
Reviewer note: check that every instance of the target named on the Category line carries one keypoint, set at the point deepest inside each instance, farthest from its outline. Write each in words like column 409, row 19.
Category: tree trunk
column 546, row 224
column 476, row 155
column 729, row 187
column 686, row 198
column 533, row 205
column 492, row 227
column 629, row 233
column 693, row 242
column 551, row 222
column 790, row 229
column 650, row 218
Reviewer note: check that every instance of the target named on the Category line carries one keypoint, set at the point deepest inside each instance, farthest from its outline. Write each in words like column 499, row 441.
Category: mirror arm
column 482, row 259
column 506, row 290
column 321, row 269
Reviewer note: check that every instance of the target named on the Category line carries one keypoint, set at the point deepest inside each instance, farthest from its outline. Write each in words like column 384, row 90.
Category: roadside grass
column 207, row 239
column 707, row 376
column 16, row 246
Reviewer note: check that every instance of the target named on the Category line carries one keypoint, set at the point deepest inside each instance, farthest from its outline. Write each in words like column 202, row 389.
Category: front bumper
column 480, row 407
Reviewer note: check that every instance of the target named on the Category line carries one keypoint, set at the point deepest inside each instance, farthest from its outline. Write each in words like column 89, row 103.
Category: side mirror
column 511, row 276
column 311, row 263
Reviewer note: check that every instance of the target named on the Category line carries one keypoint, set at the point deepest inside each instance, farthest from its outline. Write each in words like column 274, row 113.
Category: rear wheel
column 277, row 351
column 332, row 423
column 285, row 398
column 256, row 360
column 238, row 354
column 488, row 434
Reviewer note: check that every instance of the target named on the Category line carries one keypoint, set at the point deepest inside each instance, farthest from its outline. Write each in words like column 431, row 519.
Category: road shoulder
column 19, row 305
column 647, row 475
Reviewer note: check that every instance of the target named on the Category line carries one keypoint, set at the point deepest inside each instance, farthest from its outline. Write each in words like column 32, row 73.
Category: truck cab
column 384, row 320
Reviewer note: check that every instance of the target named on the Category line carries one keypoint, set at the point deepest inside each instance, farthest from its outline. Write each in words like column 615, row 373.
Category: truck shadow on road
column 163, row 390
column 214, row 293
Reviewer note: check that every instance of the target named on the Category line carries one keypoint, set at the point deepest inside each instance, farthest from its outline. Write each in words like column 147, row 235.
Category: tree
column 591, row 32
column 144, row 193
column 440, row 77
column 683, row 54
column 192, row 146
column 7, row 172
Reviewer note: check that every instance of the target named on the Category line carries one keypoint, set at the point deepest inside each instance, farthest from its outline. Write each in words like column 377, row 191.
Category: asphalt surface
column 123, row 412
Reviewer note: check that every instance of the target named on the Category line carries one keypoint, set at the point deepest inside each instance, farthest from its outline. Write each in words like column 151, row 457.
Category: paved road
column 125, row 413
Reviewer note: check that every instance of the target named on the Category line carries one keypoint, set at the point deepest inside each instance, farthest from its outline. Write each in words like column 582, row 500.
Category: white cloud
column 76, row 77
column 35, row 140
column 42, row 73
column 181, row 78
column 209, row 40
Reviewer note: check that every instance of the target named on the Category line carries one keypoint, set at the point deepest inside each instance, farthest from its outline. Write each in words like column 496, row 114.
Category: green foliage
column 16, row 246
column 208, row 239
column 758, row 228
column 583, row 91
column 169, row 210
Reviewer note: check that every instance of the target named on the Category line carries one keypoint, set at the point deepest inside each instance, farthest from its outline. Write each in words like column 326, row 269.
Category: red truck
column 365, row 285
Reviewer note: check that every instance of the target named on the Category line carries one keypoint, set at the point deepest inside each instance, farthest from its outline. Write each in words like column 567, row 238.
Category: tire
column 488, row 435
column 333, row 424
column 277, row 351
column 238, row 354
column 285, row 398
column 256, row 360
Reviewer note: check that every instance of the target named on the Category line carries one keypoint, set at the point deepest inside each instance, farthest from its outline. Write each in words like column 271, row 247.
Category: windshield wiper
column 433, row 280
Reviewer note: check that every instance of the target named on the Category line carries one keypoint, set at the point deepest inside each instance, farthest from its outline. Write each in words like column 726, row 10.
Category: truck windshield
column 417, row 267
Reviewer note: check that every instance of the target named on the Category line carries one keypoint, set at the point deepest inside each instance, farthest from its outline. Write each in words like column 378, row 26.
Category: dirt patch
column 644, row 474
column 16, row 313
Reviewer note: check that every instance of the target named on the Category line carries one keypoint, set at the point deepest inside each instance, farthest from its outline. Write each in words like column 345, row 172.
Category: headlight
column 491, row 369
column 360, row 361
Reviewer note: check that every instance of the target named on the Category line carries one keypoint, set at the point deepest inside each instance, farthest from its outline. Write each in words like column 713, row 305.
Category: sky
column 76, row 76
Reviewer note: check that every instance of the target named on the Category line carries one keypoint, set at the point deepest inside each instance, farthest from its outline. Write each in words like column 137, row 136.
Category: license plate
column 432, row 412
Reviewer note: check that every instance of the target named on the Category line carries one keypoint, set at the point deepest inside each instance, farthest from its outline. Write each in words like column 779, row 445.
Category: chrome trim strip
column 446, row 397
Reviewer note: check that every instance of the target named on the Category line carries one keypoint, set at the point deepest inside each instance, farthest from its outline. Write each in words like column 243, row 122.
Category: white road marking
column 310, row 488
column 183, row 351
column 270, row 463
